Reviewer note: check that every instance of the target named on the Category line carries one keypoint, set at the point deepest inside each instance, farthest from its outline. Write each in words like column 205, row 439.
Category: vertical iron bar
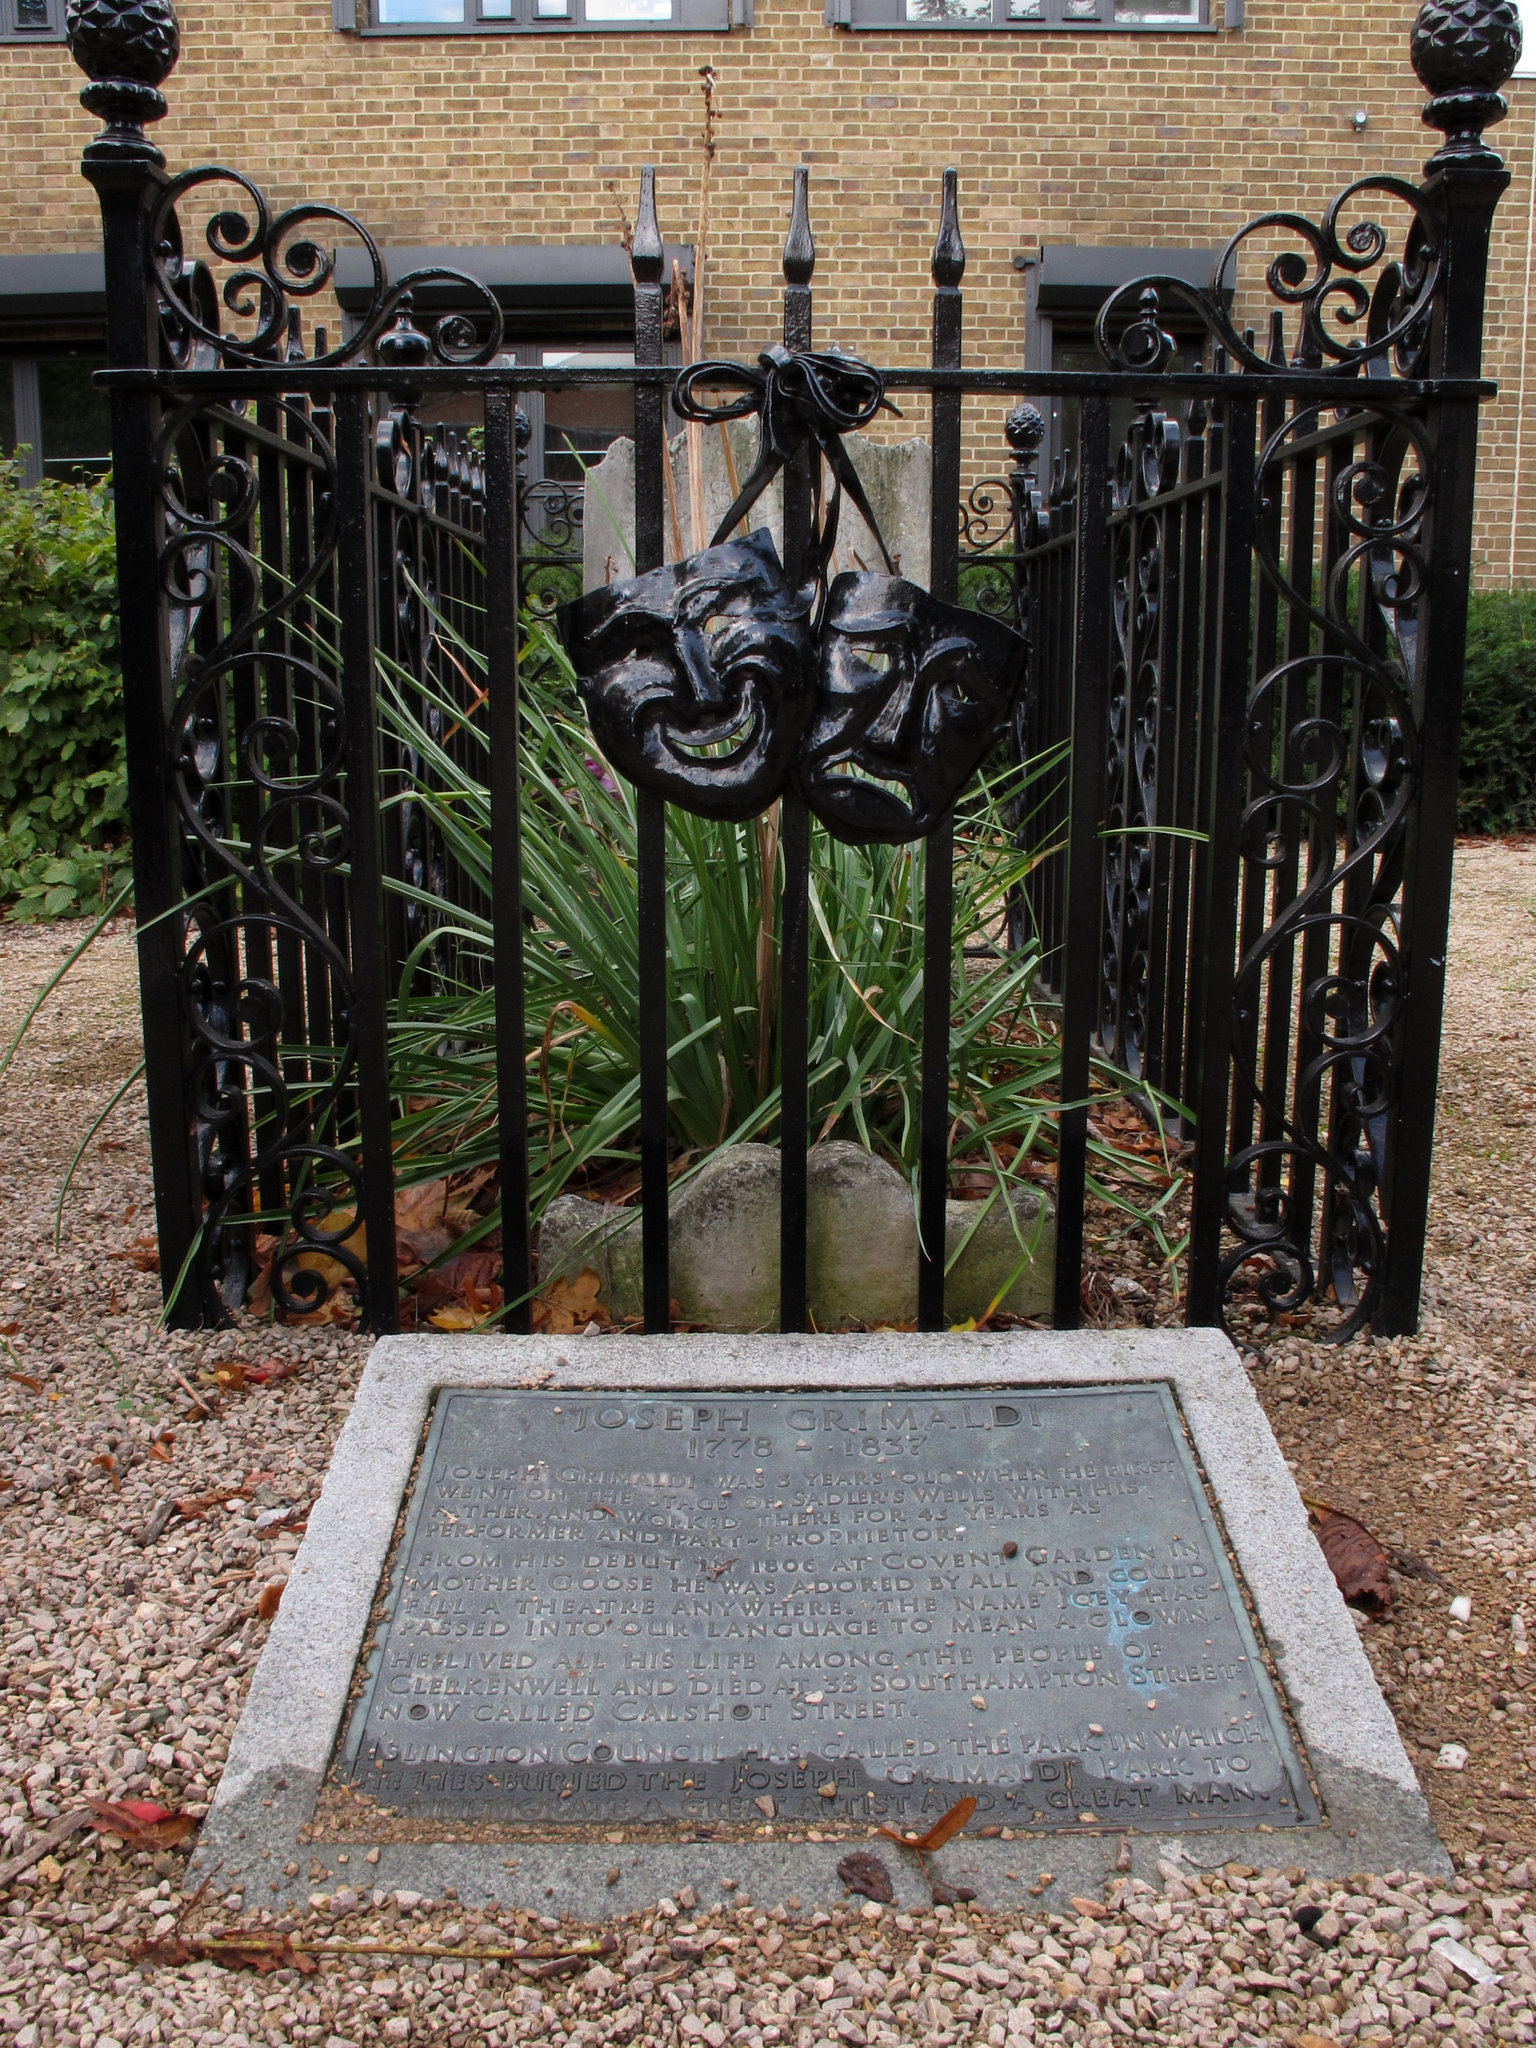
column 1178, row 759
column 939, row 856
column 309, row 887
column 1255, row 882
column 795, row 828
column 368, row 1019
column 1280, row 1022
column 501, row 637
column 1465, row 187
column 1170, row 538
column 269, row 946
column 127, row 181
column 1205, row 715
column 1322, row 822
column 1220, row 868
column 1080, row 937
column 646, row 259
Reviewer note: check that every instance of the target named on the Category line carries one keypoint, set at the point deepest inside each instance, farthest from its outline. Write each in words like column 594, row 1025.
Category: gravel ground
column 124, row 1661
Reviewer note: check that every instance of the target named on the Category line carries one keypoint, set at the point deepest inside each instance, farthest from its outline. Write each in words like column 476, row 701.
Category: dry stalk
column 691, row 314
column 767, row 824
column 626, row 225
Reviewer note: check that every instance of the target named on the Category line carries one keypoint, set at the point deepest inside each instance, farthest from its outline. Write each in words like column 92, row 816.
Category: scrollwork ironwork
column 1148, row 465
column 1340, row 322
column 256, row 743
column 1331, row 763
column 269, row 262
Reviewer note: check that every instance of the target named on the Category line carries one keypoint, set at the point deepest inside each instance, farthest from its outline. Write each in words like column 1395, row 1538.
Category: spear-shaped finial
column 646, row 255
column 799, row 245
column 948, row 249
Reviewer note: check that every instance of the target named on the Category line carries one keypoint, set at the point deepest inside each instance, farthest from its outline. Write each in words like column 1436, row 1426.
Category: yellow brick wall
column 1056, row 137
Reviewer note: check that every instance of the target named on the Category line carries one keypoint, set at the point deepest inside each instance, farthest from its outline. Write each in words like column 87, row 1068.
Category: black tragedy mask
column 699, row 679
column 913, row 693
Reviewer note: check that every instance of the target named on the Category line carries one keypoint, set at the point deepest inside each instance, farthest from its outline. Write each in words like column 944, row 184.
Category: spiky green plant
column 581, row 965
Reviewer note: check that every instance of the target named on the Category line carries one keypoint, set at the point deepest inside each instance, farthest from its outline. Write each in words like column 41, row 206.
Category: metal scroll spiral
column 269, row 263
column 1332, row 751
column 1148, row 465
column 1341, row 321
column 1000, row 518
column 255, row 743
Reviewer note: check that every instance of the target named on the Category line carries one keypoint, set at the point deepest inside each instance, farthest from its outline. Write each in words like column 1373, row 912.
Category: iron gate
column 1240, row 719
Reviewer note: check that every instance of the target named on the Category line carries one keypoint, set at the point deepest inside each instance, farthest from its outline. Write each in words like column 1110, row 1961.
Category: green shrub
column 63, row 787
column 1498, row 742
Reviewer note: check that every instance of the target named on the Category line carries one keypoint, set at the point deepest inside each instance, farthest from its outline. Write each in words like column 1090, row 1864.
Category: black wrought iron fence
column 1233, row 685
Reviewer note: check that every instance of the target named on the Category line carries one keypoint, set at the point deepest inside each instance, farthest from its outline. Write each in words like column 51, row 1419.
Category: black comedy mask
column 913, row 694
column 699, row 679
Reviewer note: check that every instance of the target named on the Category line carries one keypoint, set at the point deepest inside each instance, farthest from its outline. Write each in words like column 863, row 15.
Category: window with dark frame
column 55, row 418
column 1065, row 286
column 533, row 17
column 1143, row 16
column 31, row 21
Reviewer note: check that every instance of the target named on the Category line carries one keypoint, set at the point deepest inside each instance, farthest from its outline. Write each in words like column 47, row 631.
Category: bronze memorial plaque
column 834, row 1608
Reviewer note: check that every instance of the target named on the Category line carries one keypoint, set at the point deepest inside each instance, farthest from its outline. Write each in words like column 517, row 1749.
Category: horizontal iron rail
column 420, row 383
column 255, row 436
column 438, row 522
column 1205, row 486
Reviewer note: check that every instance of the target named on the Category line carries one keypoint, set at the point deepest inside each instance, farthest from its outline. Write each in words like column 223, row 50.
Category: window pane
column 1026, row 10
column 949, row 10
column 1157, row 10
column 629, row 10
column 32, row 14
column 553, row 10
column 495, row 10
column 392, row 12
column 77, row 419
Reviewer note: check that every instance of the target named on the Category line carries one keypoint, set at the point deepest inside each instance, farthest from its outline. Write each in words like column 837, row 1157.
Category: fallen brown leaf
column 196, row 1505
column 141, row 1822
column 944, row 1828
column 949, row 1894
column 106, row 1462
column 566, row 1306
column 162, row 1447
column 9, row 1329
column 143, row 1253
column 25, row 1379
column 863, row 1872
column 272, row 1369
column 269, row 1599
column 1355, row 1558
column 428, row 1220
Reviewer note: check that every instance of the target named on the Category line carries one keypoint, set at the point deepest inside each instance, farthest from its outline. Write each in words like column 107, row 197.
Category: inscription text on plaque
column 612, row 1608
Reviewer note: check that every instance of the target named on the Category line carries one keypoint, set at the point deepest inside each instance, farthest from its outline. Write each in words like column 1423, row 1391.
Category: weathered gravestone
column 861, row 1245
column 712, row 1610
column 896, row 475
